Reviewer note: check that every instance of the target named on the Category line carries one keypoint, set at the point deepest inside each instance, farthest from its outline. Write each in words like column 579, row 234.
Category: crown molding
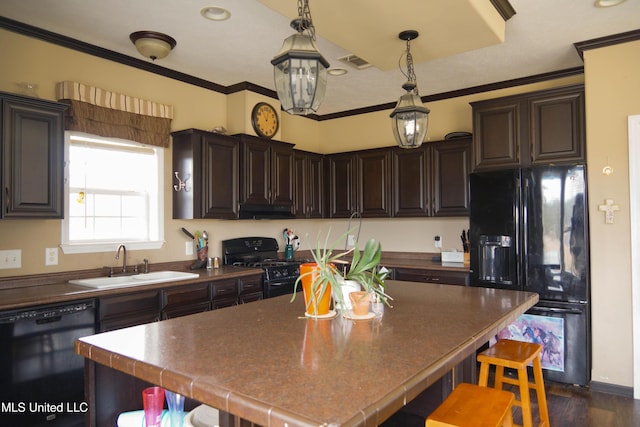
column 611, row 40
column 110, row 55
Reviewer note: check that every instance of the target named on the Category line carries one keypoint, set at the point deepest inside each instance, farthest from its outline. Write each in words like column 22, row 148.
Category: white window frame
column 102, row 245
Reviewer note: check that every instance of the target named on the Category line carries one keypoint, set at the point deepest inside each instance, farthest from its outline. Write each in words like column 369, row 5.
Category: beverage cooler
column 528, row 231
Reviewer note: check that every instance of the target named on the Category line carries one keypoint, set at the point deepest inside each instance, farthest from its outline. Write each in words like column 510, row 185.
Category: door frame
column 634, row 214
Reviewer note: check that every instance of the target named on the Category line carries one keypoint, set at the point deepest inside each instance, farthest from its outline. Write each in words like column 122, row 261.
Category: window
column 113, row 189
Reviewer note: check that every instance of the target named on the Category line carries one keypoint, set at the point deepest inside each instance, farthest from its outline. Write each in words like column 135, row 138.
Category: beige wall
column 612, row 95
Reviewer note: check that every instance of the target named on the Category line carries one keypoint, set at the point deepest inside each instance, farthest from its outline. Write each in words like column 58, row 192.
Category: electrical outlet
column 437, row 242
column 188, row 248
column 51, row 256
column 351, row 240
column 11, row 258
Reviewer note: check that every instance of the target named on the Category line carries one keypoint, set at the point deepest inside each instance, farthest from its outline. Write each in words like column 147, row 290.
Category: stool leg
column 499, row 376
column 483, row 380
column 540, row 393
column 508, row 420
column 525, row 400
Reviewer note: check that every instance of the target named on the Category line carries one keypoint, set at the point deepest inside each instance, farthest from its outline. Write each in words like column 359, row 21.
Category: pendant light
column 410, row 118
column 299, row 70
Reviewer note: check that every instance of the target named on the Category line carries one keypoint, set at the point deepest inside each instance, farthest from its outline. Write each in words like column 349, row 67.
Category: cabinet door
column 129, row 309
column 256, row 158
column 308, row 178
column 220, row 178
column 341, row 171
column 250, row 289
column 374, row 183
column 224, row 293
column 450, row 179
column 557, row 126
column 207, row 163
column 281, row 189
column 411, row 189
column 497, row 134
column 185, row 299
column 33, row 158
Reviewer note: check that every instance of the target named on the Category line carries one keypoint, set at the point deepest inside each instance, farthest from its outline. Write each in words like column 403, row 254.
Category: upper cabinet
column 32, row 157
column 544, row 127
column 309, row 184
column 205, row 175
column 266, row 172
column 432, row 180
column 360, row 182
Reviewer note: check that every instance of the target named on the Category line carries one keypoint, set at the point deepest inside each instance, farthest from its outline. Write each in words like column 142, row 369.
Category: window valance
column 113, row 115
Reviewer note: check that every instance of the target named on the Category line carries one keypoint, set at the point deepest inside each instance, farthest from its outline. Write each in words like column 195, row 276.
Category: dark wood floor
column 580, row 406
column 569, row 406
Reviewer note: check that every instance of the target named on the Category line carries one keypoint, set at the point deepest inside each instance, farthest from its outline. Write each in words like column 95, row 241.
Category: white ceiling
column 539, row 39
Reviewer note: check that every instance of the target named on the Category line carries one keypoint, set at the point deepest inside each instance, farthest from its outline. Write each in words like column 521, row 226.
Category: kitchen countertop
column 58, row 290
column 20, row 292
column 279, row 367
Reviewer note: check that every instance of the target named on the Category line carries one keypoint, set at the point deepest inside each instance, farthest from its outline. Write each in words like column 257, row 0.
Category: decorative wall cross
column 608, row 208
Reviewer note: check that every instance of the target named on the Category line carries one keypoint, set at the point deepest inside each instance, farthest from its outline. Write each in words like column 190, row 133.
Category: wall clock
column 264, row 119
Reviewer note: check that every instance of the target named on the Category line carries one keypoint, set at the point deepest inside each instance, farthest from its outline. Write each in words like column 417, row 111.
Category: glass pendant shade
column 409, row 121
column 300, row 75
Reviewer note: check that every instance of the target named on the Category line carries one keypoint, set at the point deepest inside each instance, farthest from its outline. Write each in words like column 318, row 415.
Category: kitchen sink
column 134, row 280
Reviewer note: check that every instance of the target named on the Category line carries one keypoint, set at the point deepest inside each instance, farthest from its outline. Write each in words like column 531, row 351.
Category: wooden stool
column 473, row 406
column 517, row 355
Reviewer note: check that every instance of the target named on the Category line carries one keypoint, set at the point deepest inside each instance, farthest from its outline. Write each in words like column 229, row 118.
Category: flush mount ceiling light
column 215, row 13
column 299, row 70
column 608, row 3
column 151, row 44
column 410, row 118
column 337, row 71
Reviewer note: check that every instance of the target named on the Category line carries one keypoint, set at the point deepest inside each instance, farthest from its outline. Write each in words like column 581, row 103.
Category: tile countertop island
column 266, row 363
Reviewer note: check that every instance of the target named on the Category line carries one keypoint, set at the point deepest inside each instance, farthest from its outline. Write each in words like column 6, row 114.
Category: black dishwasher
column 41, row 377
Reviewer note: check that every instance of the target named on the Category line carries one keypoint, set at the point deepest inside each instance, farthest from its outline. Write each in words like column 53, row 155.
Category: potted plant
column 365, row 269
column 318, row 278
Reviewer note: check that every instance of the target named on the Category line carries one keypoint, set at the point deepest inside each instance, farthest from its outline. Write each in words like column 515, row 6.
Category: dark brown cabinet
column 224, row 293
column 432, row 180
column 32, row 157
column 309, row 185
column 541, row 127
column 451, row 162
column 130, row 309
column 360, row 182
column 445, row 277
column 411, row 182
column 185, row 299
column 207, row 164
column 266, row 172
column 250, row 289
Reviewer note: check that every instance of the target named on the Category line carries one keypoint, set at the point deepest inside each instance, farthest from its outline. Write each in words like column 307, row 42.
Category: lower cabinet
column 445, row 277
column 250, row 289
column 185, row 299
column 224, row 293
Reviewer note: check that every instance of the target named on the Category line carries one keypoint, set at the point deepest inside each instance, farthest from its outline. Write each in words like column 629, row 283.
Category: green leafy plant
column 327, row 272
column 365, row 269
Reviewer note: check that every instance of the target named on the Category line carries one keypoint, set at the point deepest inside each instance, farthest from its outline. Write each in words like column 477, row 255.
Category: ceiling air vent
column 355, row 62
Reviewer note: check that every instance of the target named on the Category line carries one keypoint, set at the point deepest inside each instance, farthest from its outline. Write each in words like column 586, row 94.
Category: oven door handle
column 556, row 310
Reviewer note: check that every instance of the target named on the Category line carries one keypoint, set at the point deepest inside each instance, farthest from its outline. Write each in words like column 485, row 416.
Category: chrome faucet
column 124, row 257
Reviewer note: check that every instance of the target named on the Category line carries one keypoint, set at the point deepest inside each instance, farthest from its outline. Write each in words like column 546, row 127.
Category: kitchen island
column 266, row 363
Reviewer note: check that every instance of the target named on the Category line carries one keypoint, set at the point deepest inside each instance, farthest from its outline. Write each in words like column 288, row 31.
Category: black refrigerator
column 529, row 231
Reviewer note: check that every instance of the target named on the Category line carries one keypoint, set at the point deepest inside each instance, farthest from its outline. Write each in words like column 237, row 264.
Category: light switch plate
column 11, row 259
column 51, row 256
column 188, row 248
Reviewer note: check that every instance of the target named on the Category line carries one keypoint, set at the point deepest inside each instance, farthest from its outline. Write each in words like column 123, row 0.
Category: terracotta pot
column 360, row 302
column 320, row 303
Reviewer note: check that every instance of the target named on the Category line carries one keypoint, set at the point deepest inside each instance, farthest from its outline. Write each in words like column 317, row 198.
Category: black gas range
column 262, row 252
